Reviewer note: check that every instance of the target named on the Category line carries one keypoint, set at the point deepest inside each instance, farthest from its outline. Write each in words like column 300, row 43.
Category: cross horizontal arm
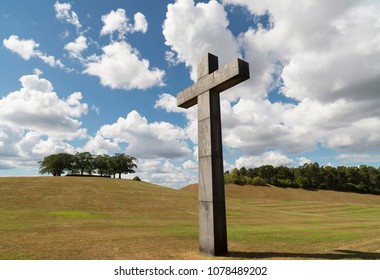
column 222, row 79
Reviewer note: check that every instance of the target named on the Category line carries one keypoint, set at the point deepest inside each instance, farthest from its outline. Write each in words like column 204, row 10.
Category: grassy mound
column 100, row 218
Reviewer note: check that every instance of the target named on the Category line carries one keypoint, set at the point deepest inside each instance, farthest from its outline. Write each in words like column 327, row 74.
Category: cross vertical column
column 205, row 92
column 212, row 209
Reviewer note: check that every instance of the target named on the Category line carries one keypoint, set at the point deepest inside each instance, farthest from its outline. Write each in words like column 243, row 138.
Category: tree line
column 361, row 179
column 85, row 163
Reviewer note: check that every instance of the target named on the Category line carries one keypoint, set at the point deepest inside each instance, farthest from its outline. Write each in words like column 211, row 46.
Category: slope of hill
column 98, row 218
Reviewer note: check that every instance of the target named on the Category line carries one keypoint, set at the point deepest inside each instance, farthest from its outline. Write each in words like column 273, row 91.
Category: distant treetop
column 86, row 163
column 360, row 179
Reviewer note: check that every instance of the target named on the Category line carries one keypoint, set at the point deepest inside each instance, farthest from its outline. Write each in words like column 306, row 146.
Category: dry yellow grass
column 97, row 218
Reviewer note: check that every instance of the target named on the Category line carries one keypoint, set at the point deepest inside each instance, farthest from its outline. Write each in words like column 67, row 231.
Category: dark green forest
column 361, row 179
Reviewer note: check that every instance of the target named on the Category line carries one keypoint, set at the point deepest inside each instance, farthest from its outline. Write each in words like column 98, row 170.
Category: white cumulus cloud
column 100, row 145
column 38, row 108
column 121, row 67
column 164, row 172
column 28, row 48
column 147, row 140
column 117, row 21
column 192, row 30
column 141, row 24
column 63, row 12
column 267, row 158
column 24, row 48
column 168, row 103
column 35, row 122
column 75, row 48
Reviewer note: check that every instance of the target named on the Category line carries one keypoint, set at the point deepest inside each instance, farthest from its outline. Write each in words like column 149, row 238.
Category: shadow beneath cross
column 338, row 255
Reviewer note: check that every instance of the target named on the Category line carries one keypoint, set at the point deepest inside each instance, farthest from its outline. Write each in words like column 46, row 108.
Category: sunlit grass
column 98, row 218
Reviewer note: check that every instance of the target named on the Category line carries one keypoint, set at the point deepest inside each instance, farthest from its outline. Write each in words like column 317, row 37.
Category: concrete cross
column 212, row 210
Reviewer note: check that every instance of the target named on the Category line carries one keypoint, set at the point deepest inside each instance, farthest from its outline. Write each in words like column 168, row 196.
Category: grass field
column 98, row 218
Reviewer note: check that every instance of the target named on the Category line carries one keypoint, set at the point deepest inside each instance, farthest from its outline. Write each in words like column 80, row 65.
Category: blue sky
column 102, row 76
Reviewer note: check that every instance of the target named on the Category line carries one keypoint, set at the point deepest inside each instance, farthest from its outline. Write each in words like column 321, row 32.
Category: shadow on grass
column 339, row 255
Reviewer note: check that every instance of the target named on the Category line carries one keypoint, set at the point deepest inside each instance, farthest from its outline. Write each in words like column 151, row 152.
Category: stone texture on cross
column 205, row 92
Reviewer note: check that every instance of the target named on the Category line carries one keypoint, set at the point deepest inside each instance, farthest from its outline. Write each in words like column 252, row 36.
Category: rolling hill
column 99, row 218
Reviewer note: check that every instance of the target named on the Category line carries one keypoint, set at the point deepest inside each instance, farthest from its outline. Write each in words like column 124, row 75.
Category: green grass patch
column 17, row 256
column 363, row 211
column 76, row 215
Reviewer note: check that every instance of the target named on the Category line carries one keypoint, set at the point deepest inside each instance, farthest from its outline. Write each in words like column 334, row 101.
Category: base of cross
column 212, row 209
column 212, row 228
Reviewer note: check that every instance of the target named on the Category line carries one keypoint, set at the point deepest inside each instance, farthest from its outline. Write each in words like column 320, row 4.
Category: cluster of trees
column 87, row 163
column 362, row 179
